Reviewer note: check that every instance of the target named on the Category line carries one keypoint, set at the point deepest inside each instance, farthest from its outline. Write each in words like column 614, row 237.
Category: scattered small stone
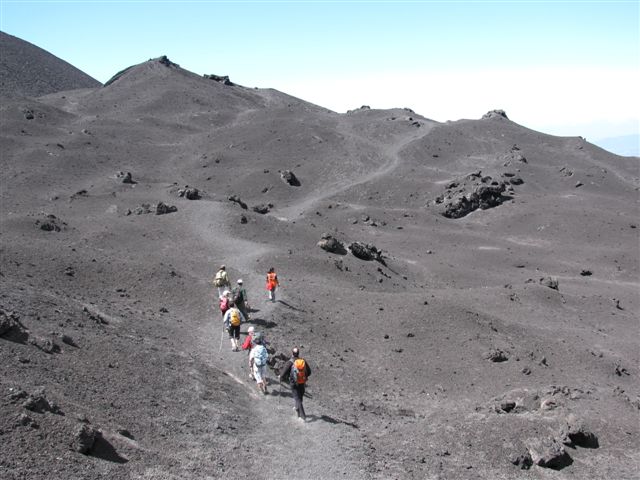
column 163, row 209
column 523, row 460
column 507, row 405
column 586, row 273
column 496, row 355
column 262, row 208
column 243, row 219
column 551, row 282
column 236, row 199
column 126, row 177
column 25, row 420
column 66, row 339
column 190, row 193
column 289, row 177
column 579, row 184
column 620, row 370
column 38, row 403
column 617, row 303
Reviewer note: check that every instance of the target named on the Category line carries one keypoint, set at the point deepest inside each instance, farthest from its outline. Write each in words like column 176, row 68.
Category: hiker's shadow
column 291, row 306
column 263, row 323
column 281, row 392
column 331, row 420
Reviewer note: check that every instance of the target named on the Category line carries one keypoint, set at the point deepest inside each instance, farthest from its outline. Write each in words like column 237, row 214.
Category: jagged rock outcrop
column 471, row 193
column 495, row 114
column 224, row 79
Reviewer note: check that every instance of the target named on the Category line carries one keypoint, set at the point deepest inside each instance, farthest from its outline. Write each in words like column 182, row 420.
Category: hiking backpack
column 224, row 305
column 234, row 317
column 218, row 280
column 298, row 372
column 261, row 356
column 238, row 296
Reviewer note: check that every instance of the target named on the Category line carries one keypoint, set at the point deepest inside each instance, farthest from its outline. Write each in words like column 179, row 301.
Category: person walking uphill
column 297, row 370
column 272, row 284
column 221, row 280
column 232, row 319
column 239, row 296
column 224, row 302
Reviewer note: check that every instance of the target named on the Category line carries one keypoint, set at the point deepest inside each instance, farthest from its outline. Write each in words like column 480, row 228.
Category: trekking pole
column 221, row 339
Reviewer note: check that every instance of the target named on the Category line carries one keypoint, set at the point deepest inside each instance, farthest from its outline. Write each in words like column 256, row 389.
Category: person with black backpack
column 297, row 370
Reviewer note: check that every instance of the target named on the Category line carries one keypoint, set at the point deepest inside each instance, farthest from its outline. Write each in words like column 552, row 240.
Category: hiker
column 232, row 319
column 297, row 370
column 248, row 344
column 221, row 280
column 258, row 361
column 239, row 296
column 272, row 284
column 224, row 302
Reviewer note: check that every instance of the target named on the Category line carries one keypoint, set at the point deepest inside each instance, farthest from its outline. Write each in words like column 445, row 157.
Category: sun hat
column 240, row 281
column 251, row 329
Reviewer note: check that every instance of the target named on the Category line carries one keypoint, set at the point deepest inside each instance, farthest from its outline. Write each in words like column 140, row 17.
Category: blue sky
column 565, row 68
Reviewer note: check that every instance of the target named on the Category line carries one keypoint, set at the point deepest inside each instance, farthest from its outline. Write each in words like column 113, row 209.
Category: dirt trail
column 325, row 449
column 390, row 152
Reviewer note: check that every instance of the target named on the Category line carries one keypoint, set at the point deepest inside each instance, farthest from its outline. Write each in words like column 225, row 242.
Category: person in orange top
column 272, row 284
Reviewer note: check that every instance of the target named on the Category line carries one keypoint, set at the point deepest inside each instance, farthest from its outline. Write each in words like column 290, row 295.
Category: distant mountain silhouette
column 625, row 145
column 29, row 71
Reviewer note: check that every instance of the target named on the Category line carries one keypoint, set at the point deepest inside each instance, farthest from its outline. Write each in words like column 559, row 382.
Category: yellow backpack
column 234, row 317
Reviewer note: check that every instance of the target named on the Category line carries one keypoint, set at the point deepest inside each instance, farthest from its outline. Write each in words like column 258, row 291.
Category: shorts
column 234, row 332
column 259, row 373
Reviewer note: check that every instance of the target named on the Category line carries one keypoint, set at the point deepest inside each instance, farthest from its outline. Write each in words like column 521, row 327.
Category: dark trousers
column 298, row 395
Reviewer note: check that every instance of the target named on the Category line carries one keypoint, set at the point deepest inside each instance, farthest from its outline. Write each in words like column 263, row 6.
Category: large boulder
column 331, row 244
column 548, row 453
column 163, row 209
column 366, row 251
column 481, row 197
column 575, row 433
column 84, row 438
column 190, row 193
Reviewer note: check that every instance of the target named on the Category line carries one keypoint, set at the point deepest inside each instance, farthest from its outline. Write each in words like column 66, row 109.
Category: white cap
column 239, row 280
column 251, row 329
